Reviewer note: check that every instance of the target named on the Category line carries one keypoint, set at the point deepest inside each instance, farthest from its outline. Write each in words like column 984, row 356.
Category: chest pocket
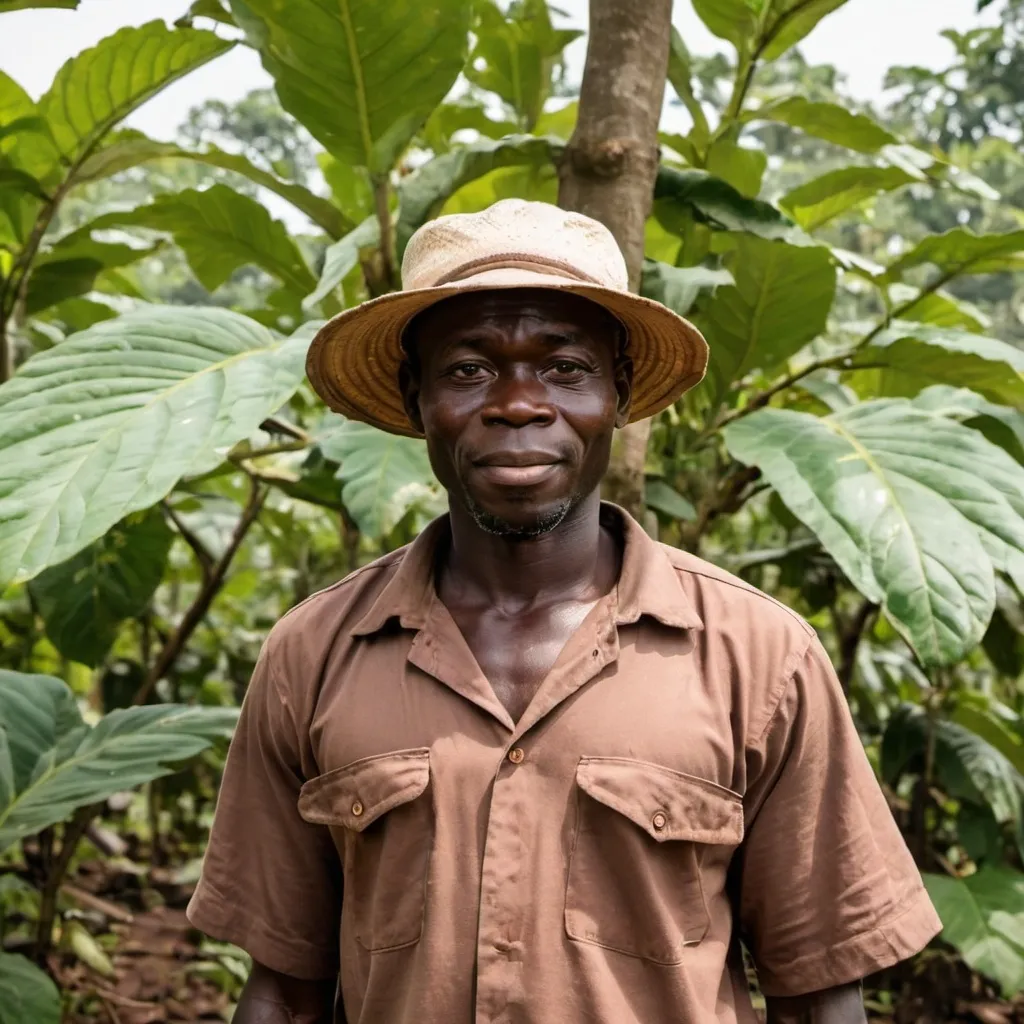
column 635, row 883
column 382, row 819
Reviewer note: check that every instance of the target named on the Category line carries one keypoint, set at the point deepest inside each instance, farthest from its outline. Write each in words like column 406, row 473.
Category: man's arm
column 842, row 1005
column 273, row 998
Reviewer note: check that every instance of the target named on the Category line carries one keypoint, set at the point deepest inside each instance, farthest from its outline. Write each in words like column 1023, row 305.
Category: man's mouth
column 517, row 468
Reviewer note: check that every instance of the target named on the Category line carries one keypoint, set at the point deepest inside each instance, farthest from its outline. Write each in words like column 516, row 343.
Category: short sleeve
column 271, row 882
column 828, row 890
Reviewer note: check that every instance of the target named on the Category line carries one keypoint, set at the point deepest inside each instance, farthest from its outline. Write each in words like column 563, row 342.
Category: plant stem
column 56, row 870
column 387, row 245
column 211, row 586
column 849, row 641
column 199, row 549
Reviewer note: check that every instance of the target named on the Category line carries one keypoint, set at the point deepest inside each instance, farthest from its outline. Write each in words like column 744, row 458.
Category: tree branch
column 387, row 245
column 850, row 636
column 200, row 550
column 207, row 592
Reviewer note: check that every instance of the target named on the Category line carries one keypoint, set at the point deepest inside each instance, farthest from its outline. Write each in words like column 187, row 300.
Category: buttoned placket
column 440, row 650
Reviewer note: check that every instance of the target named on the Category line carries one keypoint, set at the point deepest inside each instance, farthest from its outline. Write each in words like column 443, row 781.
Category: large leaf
column 779, row 303
column 983, row 918
column 26, row 141
column 342, row 257
column 936, row 307
column 107, row 422
column 944, row 355
column 712, row 201
column 130, row 148
column 84, row 600
column 361, row 75
column 741, row 167
column 27, row 993
column 906, row 501
column 422, row 194
column 384, row 476
column 515, row 55
column 828, row 121
column 789, row 21
column 100, row 86
column 819, row 201
column 961, row 252
column 221, row 230
column 678, row 287
column 85, row 766
column 1002, row 426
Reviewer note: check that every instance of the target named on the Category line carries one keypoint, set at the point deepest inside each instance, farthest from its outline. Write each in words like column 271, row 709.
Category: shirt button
column 659, row 821
column 516, row 755
column 357, row 809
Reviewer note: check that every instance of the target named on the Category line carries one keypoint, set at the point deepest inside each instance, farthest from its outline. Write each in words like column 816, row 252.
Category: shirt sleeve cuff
column 231, row 922
column 898, row 936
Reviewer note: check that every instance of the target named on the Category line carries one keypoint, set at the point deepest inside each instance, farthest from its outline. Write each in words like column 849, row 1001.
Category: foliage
column 169, row 486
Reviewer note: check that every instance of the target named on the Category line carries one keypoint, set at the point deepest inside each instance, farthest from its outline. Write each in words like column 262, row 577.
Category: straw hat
column 354, row 359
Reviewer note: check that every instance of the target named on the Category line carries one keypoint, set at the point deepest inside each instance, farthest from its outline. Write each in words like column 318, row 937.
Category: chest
column 516, row 653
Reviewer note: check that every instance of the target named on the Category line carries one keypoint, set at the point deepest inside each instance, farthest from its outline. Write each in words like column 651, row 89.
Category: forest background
column 169, row 484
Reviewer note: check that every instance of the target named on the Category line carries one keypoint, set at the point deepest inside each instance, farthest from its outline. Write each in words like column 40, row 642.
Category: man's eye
column 566, row 367
column 466, row 371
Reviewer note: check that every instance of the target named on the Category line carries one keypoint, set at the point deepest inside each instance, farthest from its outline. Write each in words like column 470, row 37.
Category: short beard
column 501, row 528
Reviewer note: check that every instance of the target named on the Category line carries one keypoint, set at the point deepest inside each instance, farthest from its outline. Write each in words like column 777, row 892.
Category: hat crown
column 514, row 232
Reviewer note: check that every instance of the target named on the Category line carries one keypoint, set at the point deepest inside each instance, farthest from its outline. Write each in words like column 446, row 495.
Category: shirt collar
column 648, row 584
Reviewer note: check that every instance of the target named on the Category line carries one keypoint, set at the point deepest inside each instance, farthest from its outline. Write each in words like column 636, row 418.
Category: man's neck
column 577, row 560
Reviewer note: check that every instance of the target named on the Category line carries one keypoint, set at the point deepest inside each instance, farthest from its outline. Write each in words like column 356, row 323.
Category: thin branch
column 58, row 868
column 850, row 637
column 207, row 592
column 387, row 248
column 200, row 550
column 273, row 425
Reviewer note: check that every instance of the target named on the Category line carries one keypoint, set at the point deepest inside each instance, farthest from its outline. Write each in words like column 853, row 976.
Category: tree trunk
column 609, row 166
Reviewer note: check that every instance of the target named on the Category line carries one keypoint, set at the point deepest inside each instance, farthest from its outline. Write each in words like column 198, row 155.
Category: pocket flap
column 665, row 803
column 357, row 794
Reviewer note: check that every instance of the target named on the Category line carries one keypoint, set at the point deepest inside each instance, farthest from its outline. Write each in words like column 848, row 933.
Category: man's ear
column 409, row 385
column 623, row 389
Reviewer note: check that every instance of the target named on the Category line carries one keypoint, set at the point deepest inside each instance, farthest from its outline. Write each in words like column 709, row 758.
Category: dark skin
column 518, row 394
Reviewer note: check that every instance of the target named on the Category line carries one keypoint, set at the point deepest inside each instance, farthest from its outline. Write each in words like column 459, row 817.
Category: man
column 537, row 768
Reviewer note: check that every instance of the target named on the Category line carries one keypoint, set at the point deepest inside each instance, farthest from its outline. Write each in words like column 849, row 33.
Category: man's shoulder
column 726, row 602
column 325, row 614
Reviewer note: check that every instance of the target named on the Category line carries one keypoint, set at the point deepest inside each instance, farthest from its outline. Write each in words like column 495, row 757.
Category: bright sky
column 862, row 39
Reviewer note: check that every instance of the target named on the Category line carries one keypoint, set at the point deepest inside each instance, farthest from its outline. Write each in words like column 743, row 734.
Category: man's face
column 518, row 394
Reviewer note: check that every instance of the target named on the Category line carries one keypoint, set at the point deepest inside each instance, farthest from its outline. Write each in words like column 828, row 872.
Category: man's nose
column 518, row 400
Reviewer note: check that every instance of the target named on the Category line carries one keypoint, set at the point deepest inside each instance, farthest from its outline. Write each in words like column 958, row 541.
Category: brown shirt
column 687, row 775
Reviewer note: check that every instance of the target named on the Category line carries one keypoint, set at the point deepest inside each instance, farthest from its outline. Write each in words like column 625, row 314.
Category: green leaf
column 735, row 21
column 107, row 422
column 27, row 993
column 13, row 180
column 130, row 149
column 84, row 600
column 31, row 149
column 779, row 303
column 384, row 475
column 516, row 54
column 678, row 287
column 819, row 201
column 422, row 194
column 789, row 21
column 828, row 121
column 70, row 267
column 937, row 307
column 680, row 77
column 212, row 9
column 449, row 118
column 85, row 766
column 944, row 355
column 351, row 189
column 101, row 86
column 28, row 5
column 741, row 167
column 342, row 257
column 361, row 75
column 906, row 502
column 715, row 202
column 983, row 918
column 961, row 252
column 662, row 498
column 1002, row 426
column 221, row 230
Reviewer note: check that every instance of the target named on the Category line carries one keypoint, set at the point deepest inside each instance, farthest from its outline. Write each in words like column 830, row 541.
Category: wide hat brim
column 354, row 359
